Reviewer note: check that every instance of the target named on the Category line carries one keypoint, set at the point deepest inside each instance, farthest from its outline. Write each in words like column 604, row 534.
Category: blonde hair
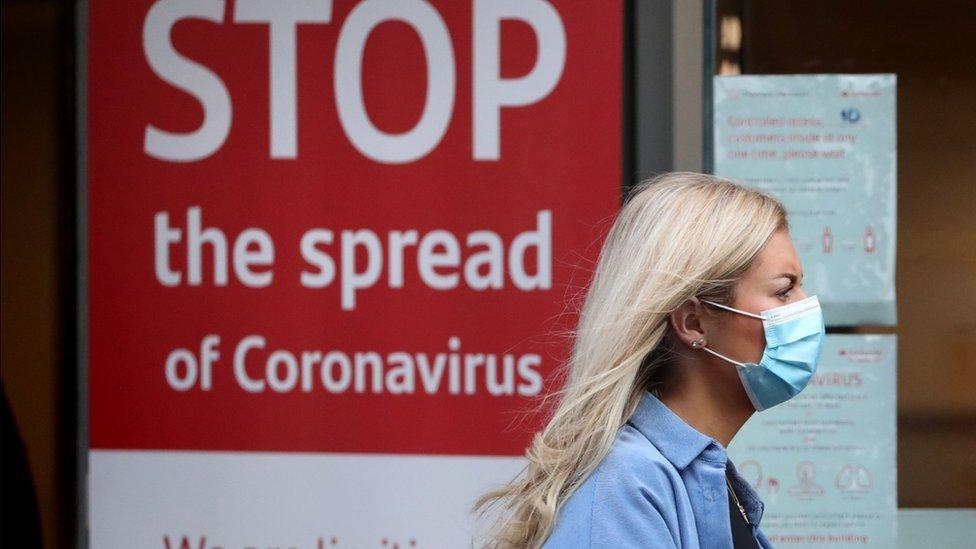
column 677, row 235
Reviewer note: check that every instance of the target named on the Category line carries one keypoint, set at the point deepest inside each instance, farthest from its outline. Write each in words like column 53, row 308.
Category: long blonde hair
column 677, row 235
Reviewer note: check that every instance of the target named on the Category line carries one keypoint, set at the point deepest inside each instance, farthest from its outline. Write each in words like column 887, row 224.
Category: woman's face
column 773, row 280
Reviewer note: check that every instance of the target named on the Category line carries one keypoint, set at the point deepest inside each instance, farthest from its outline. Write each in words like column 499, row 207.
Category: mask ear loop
column 734, row 310
column 722, row 356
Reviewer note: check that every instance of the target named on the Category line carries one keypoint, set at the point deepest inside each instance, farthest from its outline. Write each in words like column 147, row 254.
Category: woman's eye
column 785, row 293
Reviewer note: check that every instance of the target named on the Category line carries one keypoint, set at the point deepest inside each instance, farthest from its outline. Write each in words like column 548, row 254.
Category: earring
column 698, row 343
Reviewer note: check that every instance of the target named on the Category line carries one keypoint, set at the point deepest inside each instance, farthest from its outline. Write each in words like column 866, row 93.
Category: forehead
column 777, row 256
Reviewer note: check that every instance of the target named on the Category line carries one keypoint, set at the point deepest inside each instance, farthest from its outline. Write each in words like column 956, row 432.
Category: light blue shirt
column 661, row 485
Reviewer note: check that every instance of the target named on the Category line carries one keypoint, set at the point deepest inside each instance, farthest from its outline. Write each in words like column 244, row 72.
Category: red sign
column 341, row 226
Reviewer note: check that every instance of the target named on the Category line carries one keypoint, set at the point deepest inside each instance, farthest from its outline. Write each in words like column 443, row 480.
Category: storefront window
column 925, row 45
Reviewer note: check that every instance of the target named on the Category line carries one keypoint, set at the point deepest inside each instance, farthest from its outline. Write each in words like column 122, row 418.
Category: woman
column 695, row 318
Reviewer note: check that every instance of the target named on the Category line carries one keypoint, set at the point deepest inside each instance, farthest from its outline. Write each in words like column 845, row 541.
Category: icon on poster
column 806, row 488
column 752, row 472
column 851, row 115
column 869, row 240
column 854, row 478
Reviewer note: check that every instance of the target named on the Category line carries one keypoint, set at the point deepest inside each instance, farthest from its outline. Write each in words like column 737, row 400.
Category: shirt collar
column 677, row 441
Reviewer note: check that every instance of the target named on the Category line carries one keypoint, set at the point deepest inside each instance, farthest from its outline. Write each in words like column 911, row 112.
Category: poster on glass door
column 325, row 250
column 825, row 146
column 823, row 462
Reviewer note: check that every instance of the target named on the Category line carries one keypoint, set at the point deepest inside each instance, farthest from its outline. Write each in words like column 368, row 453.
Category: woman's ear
column 686, row 322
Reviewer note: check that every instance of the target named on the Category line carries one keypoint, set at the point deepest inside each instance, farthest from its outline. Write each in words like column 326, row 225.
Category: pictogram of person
column 869, row 240
column 806, row 488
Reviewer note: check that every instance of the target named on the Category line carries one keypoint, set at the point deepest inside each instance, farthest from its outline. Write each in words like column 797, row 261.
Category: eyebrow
column 790, row 276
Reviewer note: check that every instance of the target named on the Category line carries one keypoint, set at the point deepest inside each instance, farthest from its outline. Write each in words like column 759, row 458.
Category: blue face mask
column 794, row 341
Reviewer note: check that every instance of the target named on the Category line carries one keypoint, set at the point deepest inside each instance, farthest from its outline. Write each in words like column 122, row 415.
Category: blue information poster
column 825, row 146
column 824, row 462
